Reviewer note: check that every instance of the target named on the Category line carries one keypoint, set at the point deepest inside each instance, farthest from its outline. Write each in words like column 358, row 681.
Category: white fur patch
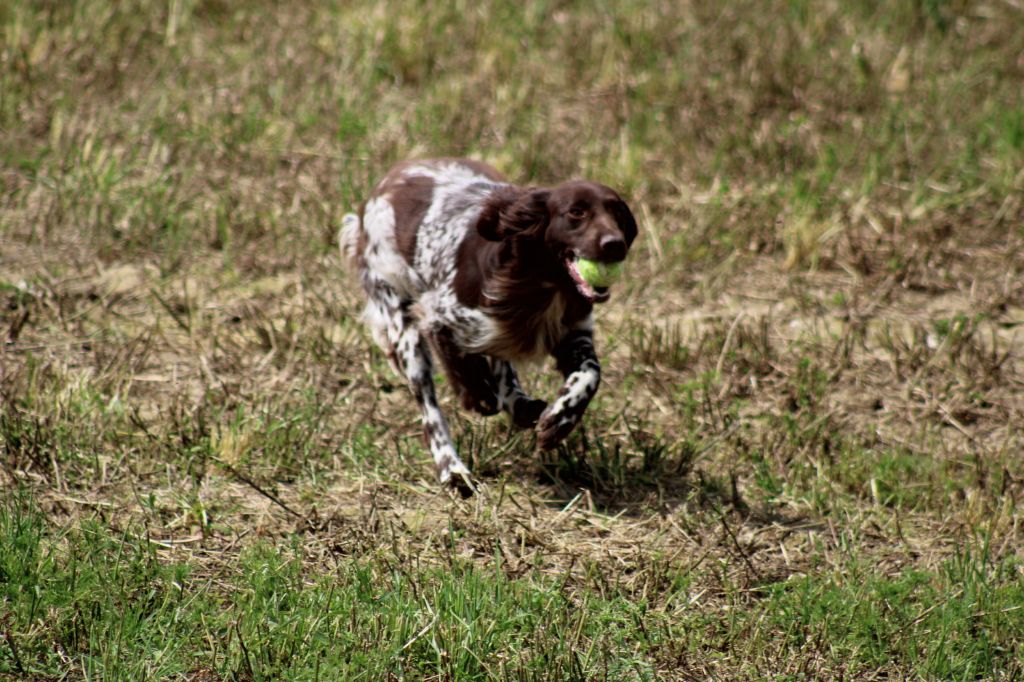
column 381, row 252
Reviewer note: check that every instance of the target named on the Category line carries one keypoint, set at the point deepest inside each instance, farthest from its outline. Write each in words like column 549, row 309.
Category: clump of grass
column 660, row 347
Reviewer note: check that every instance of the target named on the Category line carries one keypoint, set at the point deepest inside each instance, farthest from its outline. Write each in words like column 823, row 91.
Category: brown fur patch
column 410, row 199
column 410, row 196
column 523, row 289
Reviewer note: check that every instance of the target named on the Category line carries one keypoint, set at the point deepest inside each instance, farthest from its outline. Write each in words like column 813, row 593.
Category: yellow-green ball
column 598, row 274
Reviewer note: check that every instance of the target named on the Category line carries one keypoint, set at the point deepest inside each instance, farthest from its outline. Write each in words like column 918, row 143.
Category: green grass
column 804, row 459
column 108, row 600
column 959, row 622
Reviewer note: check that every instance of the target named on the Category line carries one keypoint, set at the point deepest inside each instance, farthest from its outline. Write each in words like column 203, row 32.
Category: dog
column 459, row 263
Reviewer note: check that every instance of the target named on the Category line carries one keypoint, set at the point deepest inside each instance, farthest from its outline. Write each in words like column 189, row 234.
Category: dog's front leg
column 578, row 363
column 486, row 384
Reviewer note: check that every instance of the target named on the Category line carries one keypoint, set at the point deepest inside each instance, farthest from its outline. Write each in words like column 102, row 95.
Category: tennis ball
column 598, row 274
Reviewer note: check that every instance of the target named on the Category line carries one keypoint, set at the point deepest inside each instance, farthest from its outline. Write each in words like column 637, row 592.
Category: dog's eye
column 577, row 213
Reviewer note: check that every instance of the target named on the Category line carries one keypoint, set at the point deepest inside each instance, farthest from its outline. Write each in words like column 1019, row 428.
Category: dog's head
column 558, row 226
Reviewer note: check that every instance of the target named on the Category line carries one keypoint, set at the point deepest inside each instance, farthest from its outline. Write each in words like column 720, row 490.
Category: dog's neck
column 522, row 288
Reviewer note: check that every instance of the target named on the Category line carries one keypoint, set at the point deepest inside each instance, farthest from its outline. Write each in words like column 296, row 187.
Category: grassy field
column 806, row 456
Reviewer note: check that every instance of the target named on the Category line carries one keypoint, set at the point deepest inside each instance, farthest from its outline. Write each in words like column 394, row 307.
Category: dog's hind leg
column 394, row 328
column 414, row 358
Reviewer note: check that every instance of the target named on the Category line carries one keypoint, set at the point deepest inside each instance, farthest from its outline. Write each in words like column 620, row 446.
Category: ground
column 805, row 458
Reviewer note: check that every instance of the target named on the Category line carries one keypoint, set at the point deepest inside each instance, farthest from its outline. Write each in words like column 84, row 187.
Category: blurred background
column 169, row 127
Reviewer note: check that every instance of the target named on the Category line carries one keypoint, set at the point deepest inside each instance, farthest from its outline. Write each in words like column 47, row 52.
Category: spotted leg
column 468, row 373
column 395, row 330
column 524, row 410
column 578, row 363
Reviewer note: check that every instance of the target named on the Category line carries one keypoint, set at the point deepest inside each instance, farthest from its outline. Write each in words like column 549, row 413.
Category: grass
column 112, row 604
column 107, row 601
column 804, row 459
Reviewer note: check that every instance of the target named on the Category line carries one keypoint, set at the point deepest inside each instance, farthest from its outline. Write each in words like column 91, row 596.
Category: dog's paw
column 553, row 427
column 485, row 405
column 478, row 395
column 463, row 484
column 456, row 476
column 527, row 411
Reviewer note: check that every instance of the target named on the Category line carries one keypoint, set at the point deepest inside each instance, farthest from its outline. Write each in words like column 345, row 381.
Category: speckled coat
column 459, row 263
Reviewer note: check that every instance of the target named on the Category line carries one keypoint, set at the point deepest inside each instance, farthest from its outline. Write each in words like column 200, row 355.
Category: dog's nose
column 613, row 248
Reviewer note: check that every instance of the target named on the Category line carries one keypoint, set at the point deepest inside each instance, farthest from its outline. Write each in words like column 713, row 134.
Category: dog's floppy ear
column 488, row 225
column 624, row 217
column 510, row 211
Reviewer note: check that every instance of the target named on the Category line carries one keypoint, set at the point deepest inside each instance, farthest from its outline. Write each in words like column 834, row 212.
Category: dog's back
column 414, row 220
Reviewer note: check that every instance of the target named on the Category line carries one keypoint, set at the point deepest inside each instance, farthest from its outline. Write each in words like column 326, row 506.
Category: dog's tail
column 348, row 236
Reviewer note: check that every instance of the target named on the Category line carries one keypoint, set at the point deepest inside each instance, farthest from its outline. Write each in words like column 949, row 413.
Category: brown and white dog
column 455, row 259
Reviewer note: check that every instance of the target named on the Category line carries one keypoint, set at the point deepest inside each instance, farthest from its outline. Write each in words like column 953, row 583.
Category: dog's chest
column 530, row 333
